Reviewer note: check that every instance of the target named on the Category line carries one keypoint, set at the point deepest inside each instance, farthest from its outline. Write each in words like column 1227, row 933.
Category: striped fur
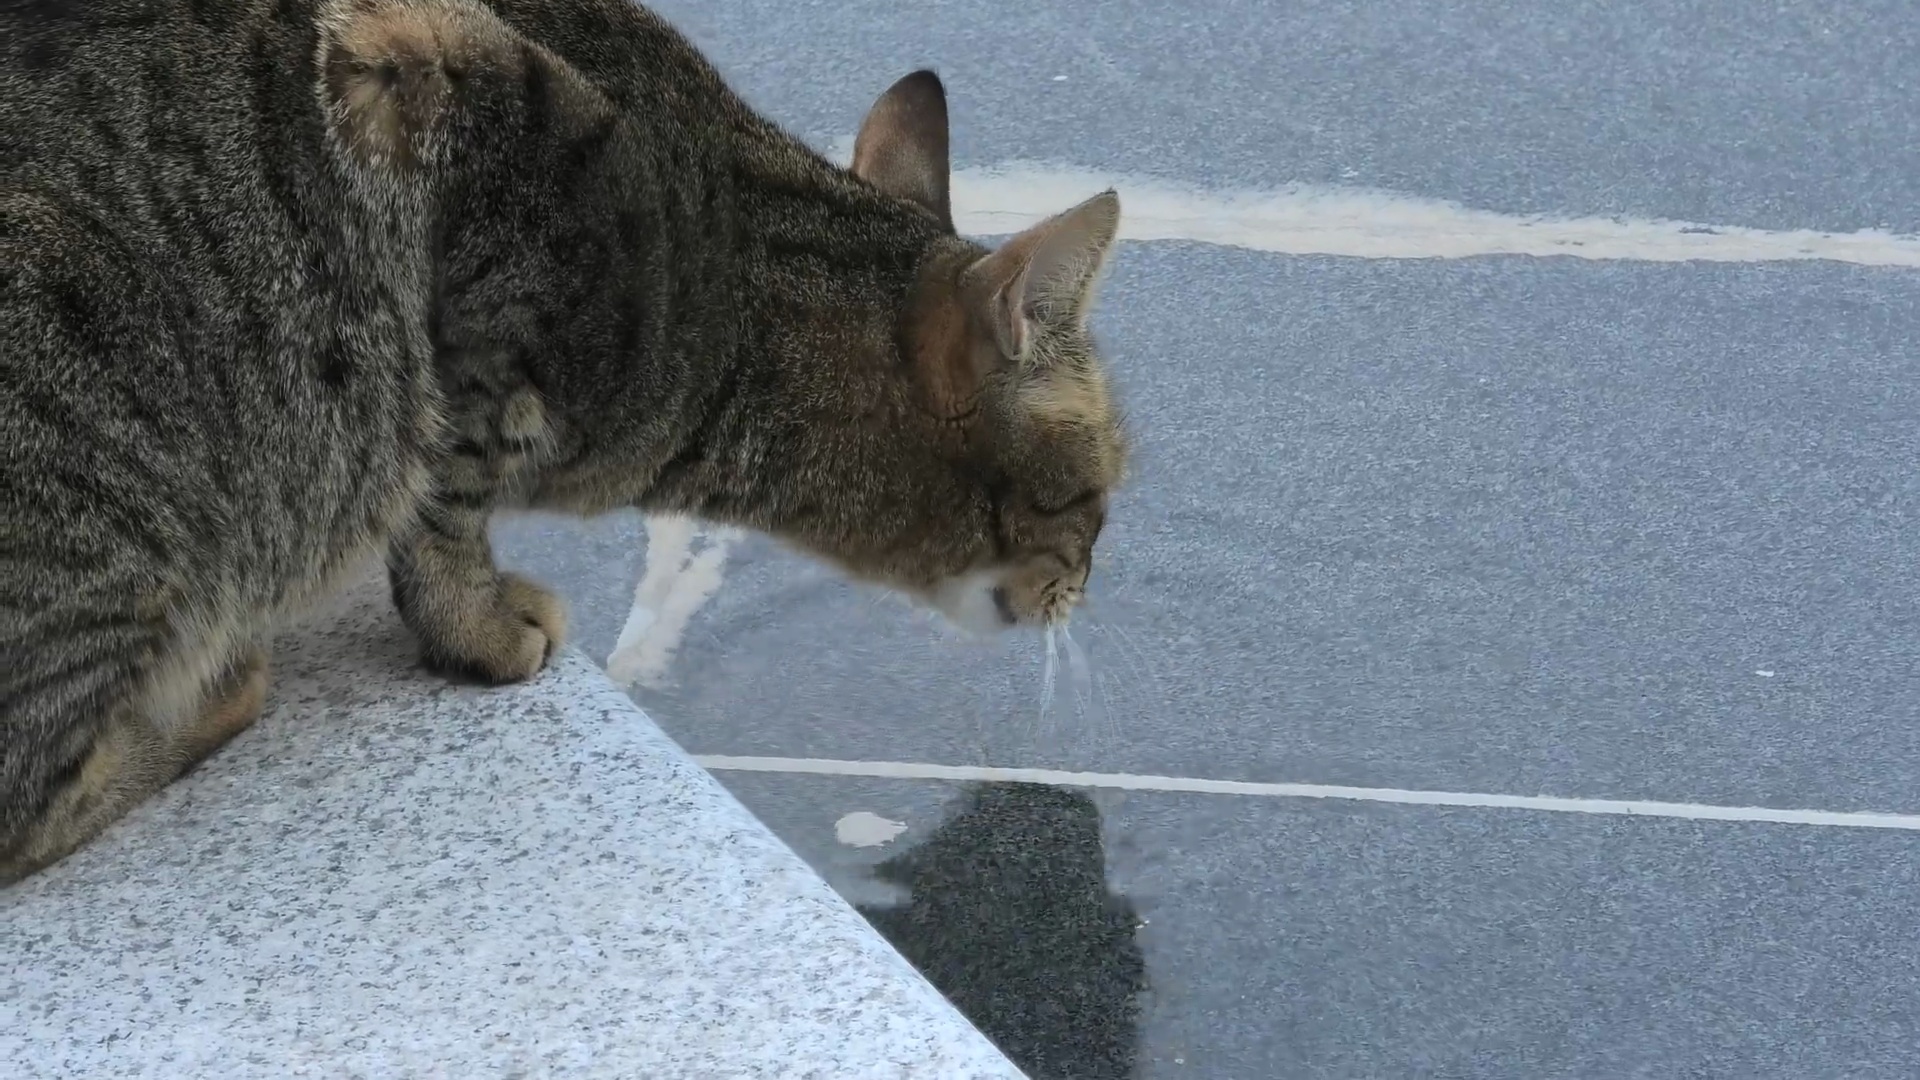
column 289, row 284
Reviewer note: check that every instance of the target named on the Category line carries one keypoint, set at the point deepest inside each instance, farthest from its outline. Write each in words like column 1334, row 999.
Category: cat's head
column 1010, row 428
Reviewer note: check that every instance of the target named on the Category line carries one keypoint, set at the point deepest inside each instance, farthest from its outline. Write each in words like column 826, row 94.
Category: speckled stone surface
column 394, row 876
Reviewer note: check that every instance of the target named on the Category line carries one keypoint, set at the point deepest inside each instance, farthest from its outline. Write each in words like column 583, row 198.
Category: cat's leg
column 59, row 800
column 472, row 619
column 230, row 707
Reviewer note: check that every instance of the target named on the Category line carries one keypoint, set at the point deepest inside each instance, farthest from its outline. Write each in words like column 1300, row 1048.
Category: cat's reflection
column 1010, row 917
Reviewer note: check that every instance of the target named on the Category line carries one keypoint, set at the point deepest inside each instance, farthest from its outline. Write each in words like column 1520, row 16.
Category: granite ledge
column 395, row 876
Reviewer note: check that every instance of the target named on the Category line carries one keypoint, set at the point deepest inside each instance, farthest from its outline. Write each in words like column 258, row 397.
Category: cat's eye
column 1075, row 503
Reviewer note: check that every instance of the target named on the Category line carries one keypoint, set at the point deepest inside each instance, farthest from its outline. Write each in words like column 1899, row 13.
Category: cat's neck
column 825, row 267
column 811, row 239
column 763, row 304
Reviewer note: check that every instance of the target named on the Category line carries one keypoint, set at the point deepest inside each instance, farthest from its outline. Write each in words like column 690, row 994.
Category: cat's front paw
column 505, row 635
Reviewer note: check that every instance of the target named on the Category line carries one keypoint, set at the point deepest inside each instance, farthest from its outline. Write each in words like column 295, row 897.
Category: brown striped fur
column 285, row 284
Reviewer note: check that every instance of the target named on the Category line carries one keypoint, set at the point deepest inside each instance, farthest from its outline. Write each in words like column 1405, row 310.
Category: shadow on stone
column 1010, row 917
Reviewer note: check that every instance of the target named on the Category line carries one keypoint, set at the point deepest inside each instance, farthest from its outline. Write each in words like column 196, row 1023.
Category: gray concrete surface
column 393, row 876
column 1775, row 115
column 1502, row 525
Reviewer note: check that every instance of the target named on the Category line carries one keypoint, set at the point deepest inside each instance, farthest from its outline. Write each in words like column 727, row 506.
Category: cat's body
column 284, row 285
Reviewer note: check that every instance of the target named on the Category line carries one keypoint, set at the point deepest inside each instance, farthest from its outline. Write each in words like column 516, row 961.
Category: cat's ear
column 902, row 145
column 1046, row 273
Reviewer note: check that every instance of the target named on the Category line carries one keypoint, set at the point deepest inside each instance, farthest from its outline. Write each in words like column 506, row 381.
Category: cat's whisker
column 1049, row 669
column 1111, row 681
column 1129, row 660
column 1135, row 681
column 1110, row 715
column 1089, row 709
column 1079, row 670
column 1148, row 669
column 1098, row 721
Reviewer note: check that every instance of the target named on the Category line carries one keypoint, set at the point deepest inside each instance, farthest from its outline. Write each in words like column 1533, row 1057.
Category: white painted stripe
column 1303, row 219
column 900, row 770
column 675, row 583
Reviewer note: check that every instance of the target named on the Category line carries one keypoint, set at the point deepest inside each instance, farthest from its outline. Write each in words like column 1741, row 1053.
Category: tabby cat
column 288, row 283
